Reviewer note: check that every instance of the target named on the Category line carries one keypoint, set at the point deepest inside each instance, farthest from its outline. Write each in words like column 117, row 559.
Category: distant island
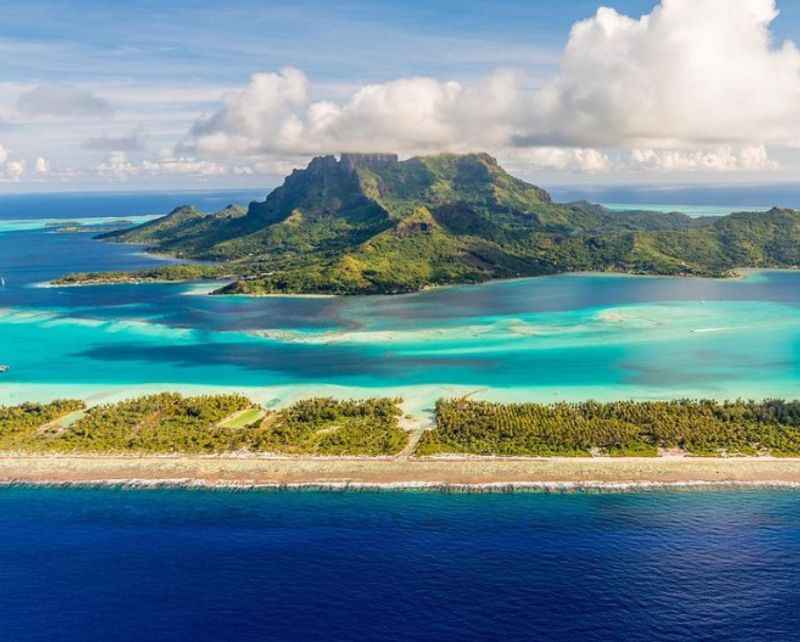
column 372, row 224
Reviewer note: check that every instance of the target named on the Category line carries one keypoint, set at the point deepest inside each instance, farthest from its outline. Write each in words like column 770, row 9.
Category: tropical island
column 226, row 439
column 372, row 224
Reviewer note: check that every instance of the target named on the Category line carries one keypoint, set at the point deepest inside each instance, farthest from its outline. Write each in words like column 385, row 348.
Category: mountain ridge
column 372, row 223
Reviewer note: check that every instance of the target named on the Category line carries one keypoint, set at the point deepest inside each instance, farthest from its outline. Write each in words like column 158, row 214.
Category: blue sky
column 98, row 94
column 167, row 41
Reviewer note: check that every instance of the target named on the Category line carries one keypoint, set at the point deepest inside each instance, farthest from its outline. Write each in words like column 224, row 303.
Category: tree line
column 699, row 427
column 171, row 423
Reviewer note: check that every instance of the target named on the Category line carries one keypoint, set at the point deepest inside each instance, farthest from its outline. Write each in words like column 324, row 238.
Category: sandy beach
column 445, row 473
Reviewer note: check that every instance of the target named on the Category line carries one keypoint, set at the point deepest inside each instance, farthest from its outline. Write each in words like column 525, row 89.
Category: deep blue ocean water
column 76, row 205
column 100, row 564
column 211, row 565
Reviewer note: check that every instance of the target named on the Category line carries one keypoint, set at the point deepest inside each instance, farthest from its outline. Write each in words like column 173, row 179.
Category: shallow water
column 213, row 565
column 690, row 210
column 562, row 337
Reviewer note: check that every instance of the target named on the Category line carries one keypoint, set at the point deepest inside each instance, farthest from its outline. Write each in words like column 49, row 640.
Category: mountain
column 176, row 229
column 370, row 223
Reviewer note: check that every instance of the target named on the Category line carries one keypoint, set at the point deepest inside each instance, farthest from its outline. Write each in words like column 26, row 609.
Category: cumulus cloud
column 590, row 161
column 690, row 72
column 185, row 166
column 41, row 166
column 62, row 101
column 275, row 114
column 694, row 85
column 117, row 165
column 722, row 158
column 10, row 170
column 13, row 170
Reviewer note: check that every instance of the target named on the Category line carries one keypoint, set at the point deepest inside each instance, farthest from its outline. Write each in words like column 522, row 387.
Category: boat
column 4, row 368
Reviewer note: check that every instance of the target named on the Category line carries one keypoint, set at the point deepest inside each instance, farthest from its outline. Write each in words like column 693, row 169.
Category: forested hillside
column 370, row 223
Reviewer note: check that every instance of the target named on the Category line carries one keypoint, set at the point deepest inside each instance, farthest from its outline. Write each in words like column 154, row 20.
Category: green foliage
column 164, row 422
column 616, row 428
column 324, row 426
column 170, row 423
column 369, row 224
column 19, row 424
column 175, row 272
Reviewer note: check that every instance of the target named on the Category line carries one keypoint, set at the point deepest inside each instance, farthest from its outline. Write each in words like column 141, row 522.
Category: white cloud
column 62, row 101
column 10, row 169
column 586, row 160
column 118, row 166
column 14, row 169
column 185, row 166
column 694, row 85
column 691, row 72
column 722, row 158
column 41, row 166
column 572, row 159
column 275, row 114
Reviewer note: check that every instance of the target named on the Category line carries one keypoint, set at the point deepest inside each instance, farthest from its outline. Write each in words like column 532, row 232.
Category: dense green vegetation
column 176, row 272
column 369, row 223
column 325, row 426
column 170, row 423
column 616, row 428
column 19, row 425
column 165, row 422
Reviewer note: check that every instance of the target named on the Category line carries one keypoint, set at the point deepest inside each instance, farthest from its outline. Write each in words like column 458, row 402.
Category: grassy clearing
column 243, row 418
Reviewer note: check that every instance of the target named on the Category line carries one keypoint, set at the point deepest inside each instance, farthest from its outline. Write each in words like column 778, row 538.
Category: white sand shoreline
column 734, row 274
column 451, row 474
column 488, row 487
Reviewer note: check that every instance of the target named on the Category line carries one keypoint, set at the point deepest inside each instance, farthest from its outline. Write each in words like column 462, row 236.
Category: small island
column 372, row 224
column 227, row 440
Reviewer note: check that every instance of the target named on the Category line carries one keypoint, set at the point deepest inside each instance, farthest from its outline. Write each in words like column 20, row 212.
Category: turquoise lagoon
column 565, row 337
column 690, row 210
column 20, row 225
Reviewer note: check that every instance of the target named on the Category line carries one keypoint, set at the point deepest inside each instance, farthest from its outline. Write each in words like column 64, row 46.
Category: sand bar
column 467, row 473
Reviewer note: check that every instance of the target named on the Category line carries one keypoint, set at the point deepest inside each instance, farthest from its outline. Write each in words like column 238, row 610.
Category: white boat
column 4, row 368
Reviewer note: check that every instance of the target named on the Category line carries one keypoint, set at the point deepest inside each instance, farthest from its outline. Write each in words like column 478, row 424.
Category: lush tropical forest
column 215, row 424
column 324, row 426
column 616, row 428
column 23, row 425
column 170, row 423
column 370, row 224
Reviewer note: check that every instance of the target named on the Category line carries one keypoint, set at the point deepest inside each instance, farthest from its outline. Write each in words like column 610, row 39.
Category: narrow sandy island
column 466, row 473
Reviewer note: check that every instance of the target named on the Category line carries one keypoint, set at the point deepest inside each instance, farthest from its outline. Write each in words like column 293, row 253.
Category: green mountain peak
column 372, row 223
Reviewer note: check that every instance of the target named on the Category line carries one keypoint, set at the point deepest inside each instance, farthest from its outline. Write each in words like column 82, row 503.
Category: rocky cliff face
column 323, row 185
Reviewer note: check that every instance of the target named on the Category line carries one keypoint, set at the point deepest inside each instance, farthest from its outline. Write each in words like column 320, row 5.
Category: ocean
column 78, row 564
column 104, row 564
column 552, row 338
